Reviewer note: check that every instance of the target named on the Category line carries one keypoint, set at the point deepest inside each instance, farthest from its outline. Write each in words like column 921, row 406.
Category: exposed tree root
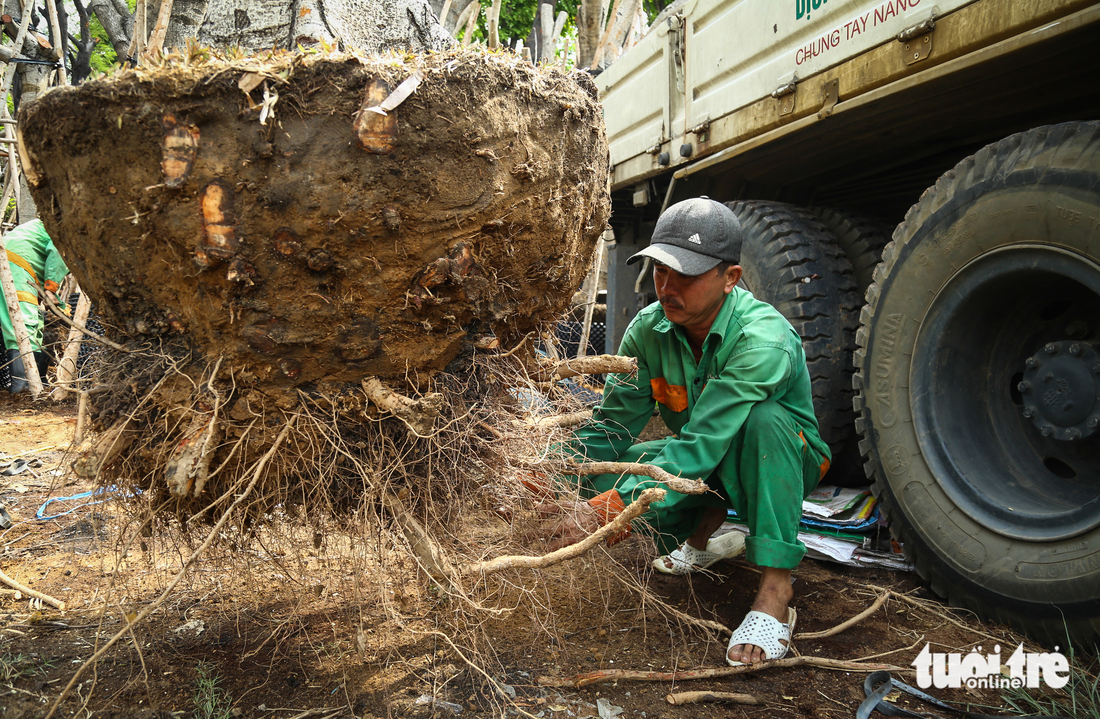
column 677, row 484
column 620, row 524
column 883, row 596
column 597, row 364
column 609, row 675
column 31, row 592
column 699, row 697
column 431, row 557
column 418, row 414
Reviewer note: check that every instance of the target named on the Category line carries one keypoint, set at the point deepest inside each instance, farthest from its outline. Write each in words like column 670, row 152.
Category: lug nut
column 1072, row 434
column 1096, row 368
column 1031, row 362
column 1046, row 431
column 1093, row 422
column 1051, row 348
column 1075, row 349
column 1024, row 386
column 1029, row 412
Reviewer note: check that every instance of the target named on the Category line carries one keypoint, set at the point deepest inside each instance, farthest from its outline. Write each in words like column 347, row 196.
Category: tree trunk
column 589, row 28
column 371, row 26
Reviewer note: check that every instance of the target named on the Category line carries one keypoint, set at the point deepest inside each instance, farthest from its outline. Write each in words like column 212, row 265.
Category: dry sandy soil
column 291, row 626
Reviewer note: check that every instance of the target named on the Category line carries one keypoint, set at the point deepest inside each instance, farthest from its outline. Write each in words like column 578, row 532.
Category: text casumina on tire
column 978, row 382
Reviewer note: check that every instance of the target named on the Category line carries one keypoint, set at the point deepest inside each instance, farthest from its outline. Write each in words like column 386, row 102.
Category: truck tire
column 861, row 237
column 792, row 262
column 978, row 383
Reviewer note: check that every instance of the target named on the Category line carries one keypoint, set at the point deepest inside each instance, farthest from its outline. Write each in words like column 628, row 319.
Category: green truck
column 919, row 184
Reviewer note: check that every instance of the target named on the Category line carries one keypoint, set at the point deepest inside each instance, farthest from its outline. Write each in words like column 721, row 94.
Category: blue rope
column 40, row 514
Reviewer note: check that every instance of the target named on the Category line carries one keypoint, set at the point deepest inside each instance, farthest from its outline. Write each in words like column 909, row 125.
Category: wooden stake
column 471, row 21
column 156, row 39
column 598, row 54
column 137, row 44
column 586, row 328
column 546, row 32
column 58, row 42
column 494, row 25
column 444, row 13
column 66, row 368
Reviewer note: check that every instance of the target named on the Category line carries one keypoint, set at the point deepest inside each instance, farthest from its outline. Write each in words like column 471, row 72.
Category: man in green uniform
column 34, row 262
column 729, row 377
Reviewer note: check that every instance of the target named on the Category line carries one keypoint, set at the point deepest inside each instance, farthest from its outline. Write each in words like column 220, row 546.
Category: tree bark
column 371, row 26
column 117, row 25
column 589, row 28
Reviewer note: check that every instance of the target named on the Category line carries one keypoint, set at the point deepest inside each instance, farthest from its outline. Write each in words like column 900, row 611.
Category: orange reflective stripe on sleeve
column 17, row 260
column 672, row 396
column 28, row 297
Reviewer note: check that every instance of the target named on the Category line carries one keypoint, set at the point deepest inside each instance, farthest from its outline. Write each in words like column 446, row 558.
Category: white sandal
column 687, row 559
column 765, row 631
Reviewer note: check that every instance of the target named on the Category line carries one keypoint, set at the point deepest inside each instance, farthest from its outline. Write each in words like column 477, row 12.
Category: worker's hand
column 570, row 522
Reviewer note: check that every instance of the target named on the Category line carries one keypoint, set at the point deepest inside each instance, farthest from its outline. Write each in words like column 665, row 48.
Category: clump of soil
column 306, row 238
column 266, row 234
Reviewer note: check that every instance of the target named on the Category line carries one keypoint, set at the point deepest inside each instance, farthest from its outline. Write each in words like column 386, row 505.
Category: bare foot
column 772, row 598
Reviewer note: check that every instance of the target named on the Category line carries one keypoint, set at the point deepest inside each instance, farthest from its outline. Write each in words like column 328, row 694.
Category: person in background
column 34, row 263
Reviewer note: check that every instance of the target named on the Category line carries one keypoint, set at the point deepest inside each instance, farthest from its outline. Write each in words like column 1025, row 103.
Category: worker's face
column 693, row 302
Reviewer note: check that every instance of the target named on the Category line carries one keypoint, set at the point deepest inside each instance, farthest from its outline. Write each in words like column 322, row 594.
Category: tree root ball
column 271, row 213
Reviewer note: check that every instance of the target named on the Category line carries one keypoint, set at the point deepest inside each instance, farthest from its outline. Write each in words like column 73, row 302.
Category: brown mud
column 307, row 239
column 288, row 625
column 263, row 235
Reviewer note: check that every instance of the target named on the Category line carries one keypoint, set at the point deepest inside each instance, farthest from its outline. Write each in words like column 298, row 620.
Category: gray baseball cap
column 693, row 236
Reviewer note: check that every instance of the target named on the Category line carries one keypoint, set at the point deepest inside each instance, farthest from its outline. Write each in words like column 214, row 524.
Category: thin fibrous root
column 257, row 473
column 620, row 524
column 418, row 414
column 609, row 675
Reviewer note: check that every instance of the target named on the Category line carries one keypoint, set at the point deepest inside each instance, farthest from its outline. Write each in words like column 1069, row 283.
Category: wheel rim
column 976, row 399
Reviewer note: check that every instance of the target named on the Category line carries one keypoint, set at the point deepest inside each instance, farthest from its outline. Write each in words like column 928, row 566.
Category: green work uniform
column 34, row 261
column 743, row 420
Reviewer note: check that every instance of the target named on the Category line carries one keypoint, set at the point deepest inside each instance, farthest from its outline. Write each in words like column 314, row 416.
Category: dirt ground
column 257, row 631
